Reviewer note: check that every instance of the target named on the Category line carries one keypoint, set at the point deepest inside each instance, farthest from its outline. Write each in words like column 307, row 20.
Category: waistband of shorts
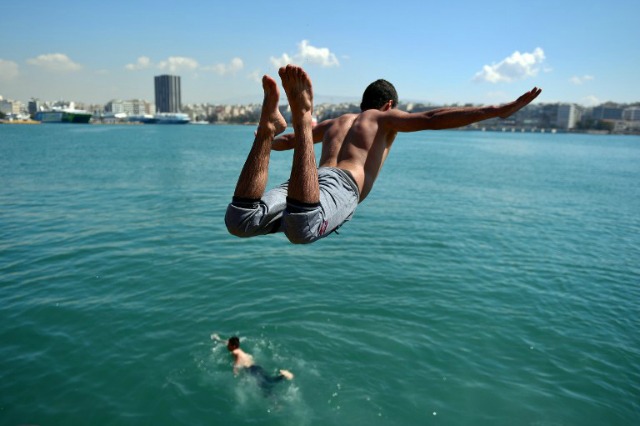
column 346, row 174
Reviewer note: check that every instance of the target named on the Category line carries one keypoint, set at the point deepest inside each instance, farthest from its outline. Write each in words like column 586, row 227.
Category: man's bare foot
column 270, row 118
column 287, row 374
column 297, row 85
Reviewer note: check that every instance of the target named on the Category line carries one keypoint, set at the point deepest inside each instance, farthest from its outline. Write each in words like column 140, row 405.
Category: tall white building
column 568, row 116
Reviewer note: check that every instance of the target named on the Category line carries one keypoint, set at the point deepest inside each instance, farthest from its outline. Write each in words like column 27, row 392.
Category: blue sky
column 585, row 52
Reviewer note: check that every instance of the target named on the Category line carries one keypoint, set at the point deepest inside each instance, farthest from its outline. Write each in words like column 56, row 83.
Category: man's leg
column 252, row 212
column 286, row 374
column 303, row 184
column 255, row 173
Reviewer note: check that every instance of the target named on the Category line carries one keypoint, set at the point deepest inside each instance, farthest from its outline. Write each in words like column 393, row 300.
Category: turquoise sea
column 489, row 279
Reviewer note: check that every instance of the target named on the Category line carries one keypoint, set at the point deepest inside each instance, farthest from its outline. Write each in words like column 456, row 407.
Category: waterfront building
column 168, row 95
column 608, row 111
column 568, row 116
column 8, row 106
column 130, row 107
column 34, row 106
column 631, row 114
column 528, row 117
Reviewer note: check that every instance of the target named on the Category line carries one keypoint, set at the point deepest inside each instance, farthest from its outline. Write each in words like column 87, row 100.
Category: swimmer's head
column 378, row 94
column 233, row 343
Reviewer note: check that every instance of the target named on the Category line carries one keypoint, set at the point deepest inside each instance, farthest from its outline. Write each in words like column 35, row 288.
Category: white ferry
column 161, row 118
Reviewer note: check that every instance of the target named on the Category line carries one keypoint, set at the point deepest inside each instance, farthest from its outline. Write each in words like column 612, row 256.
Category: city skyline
column 441, row 54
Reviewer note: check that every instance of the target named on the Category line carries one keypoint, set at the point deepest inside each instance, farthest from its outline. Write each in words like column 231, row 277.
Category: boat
column 144, row 119
column 66, row 115
column 161, row 118
column 171, row 118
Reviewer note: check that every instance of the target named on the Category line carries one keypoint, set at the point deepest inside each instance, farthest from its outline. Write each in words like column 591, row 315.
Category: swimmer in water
column 243, row 361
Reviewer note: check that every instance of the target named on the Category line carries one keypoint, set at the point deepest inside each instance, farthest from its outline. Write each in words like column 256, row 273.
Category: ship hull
column 63, row 117
column 171, row 118
column 74, row 117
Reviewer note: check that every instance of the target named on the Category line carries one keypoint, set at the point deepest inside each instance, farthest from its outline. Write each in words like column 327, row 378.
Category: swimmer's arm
column 287, row 141
column 449, row 118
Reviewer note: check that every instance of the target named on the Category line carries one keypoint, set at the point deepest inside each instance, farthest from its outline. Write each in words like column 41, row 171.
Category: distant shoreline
column 464, row 129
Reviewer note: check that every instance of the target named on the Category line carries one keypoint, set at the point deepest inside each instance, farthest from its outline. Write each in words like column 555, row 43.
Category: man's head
column 378, row 94
column 233, row 343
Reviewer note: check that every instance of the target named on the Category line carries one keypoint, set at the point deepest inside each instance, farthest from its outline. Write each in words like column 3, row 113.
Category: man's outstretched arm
column 449, row 118
column 283, row 142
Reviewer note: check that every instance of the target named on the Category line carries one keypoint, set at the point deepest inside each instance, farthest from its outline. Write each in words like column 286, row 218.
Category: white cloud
column 232, row 67
column 307, row 53
column 317, row 55
column 8, row 69
column 577, row 80
column 178, row 63
column 57, row 62
column 143, row 62
column 281, row 61
column 255, row 76
column 515, row 67
column 591, row 101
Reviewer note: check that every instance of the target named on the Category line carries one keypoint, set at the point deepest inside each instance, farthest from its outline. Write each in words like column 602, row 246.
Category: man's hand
column 507, row 110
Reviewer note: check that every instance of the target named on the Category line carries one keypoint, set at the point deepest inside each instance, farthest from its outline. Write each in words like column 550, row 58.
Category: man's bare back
column 241, row 359
column 363, row 146
column 350, row 142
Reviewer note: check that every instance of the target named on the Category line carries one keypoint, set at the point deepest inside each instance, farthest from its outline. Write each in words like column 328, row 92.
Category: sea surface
column 488, row 279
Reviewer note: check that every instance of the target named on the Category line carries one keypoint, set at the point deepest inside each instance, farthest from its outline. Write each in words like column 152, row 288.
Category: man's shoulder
column 238, row 352
column 337, row 122
column 376, row 114
column 346, row 117
column 391, row 119
column 371, row 116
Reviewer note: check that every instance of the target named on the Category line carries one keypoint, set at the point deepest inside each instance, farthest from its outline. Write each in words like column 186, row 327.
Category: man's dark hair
column 234, row 341
column 377, row 94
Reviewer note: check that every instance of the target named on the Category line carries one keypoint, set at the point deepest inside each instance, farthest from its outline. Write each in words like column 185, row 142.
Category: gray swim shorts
column 301, row 223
